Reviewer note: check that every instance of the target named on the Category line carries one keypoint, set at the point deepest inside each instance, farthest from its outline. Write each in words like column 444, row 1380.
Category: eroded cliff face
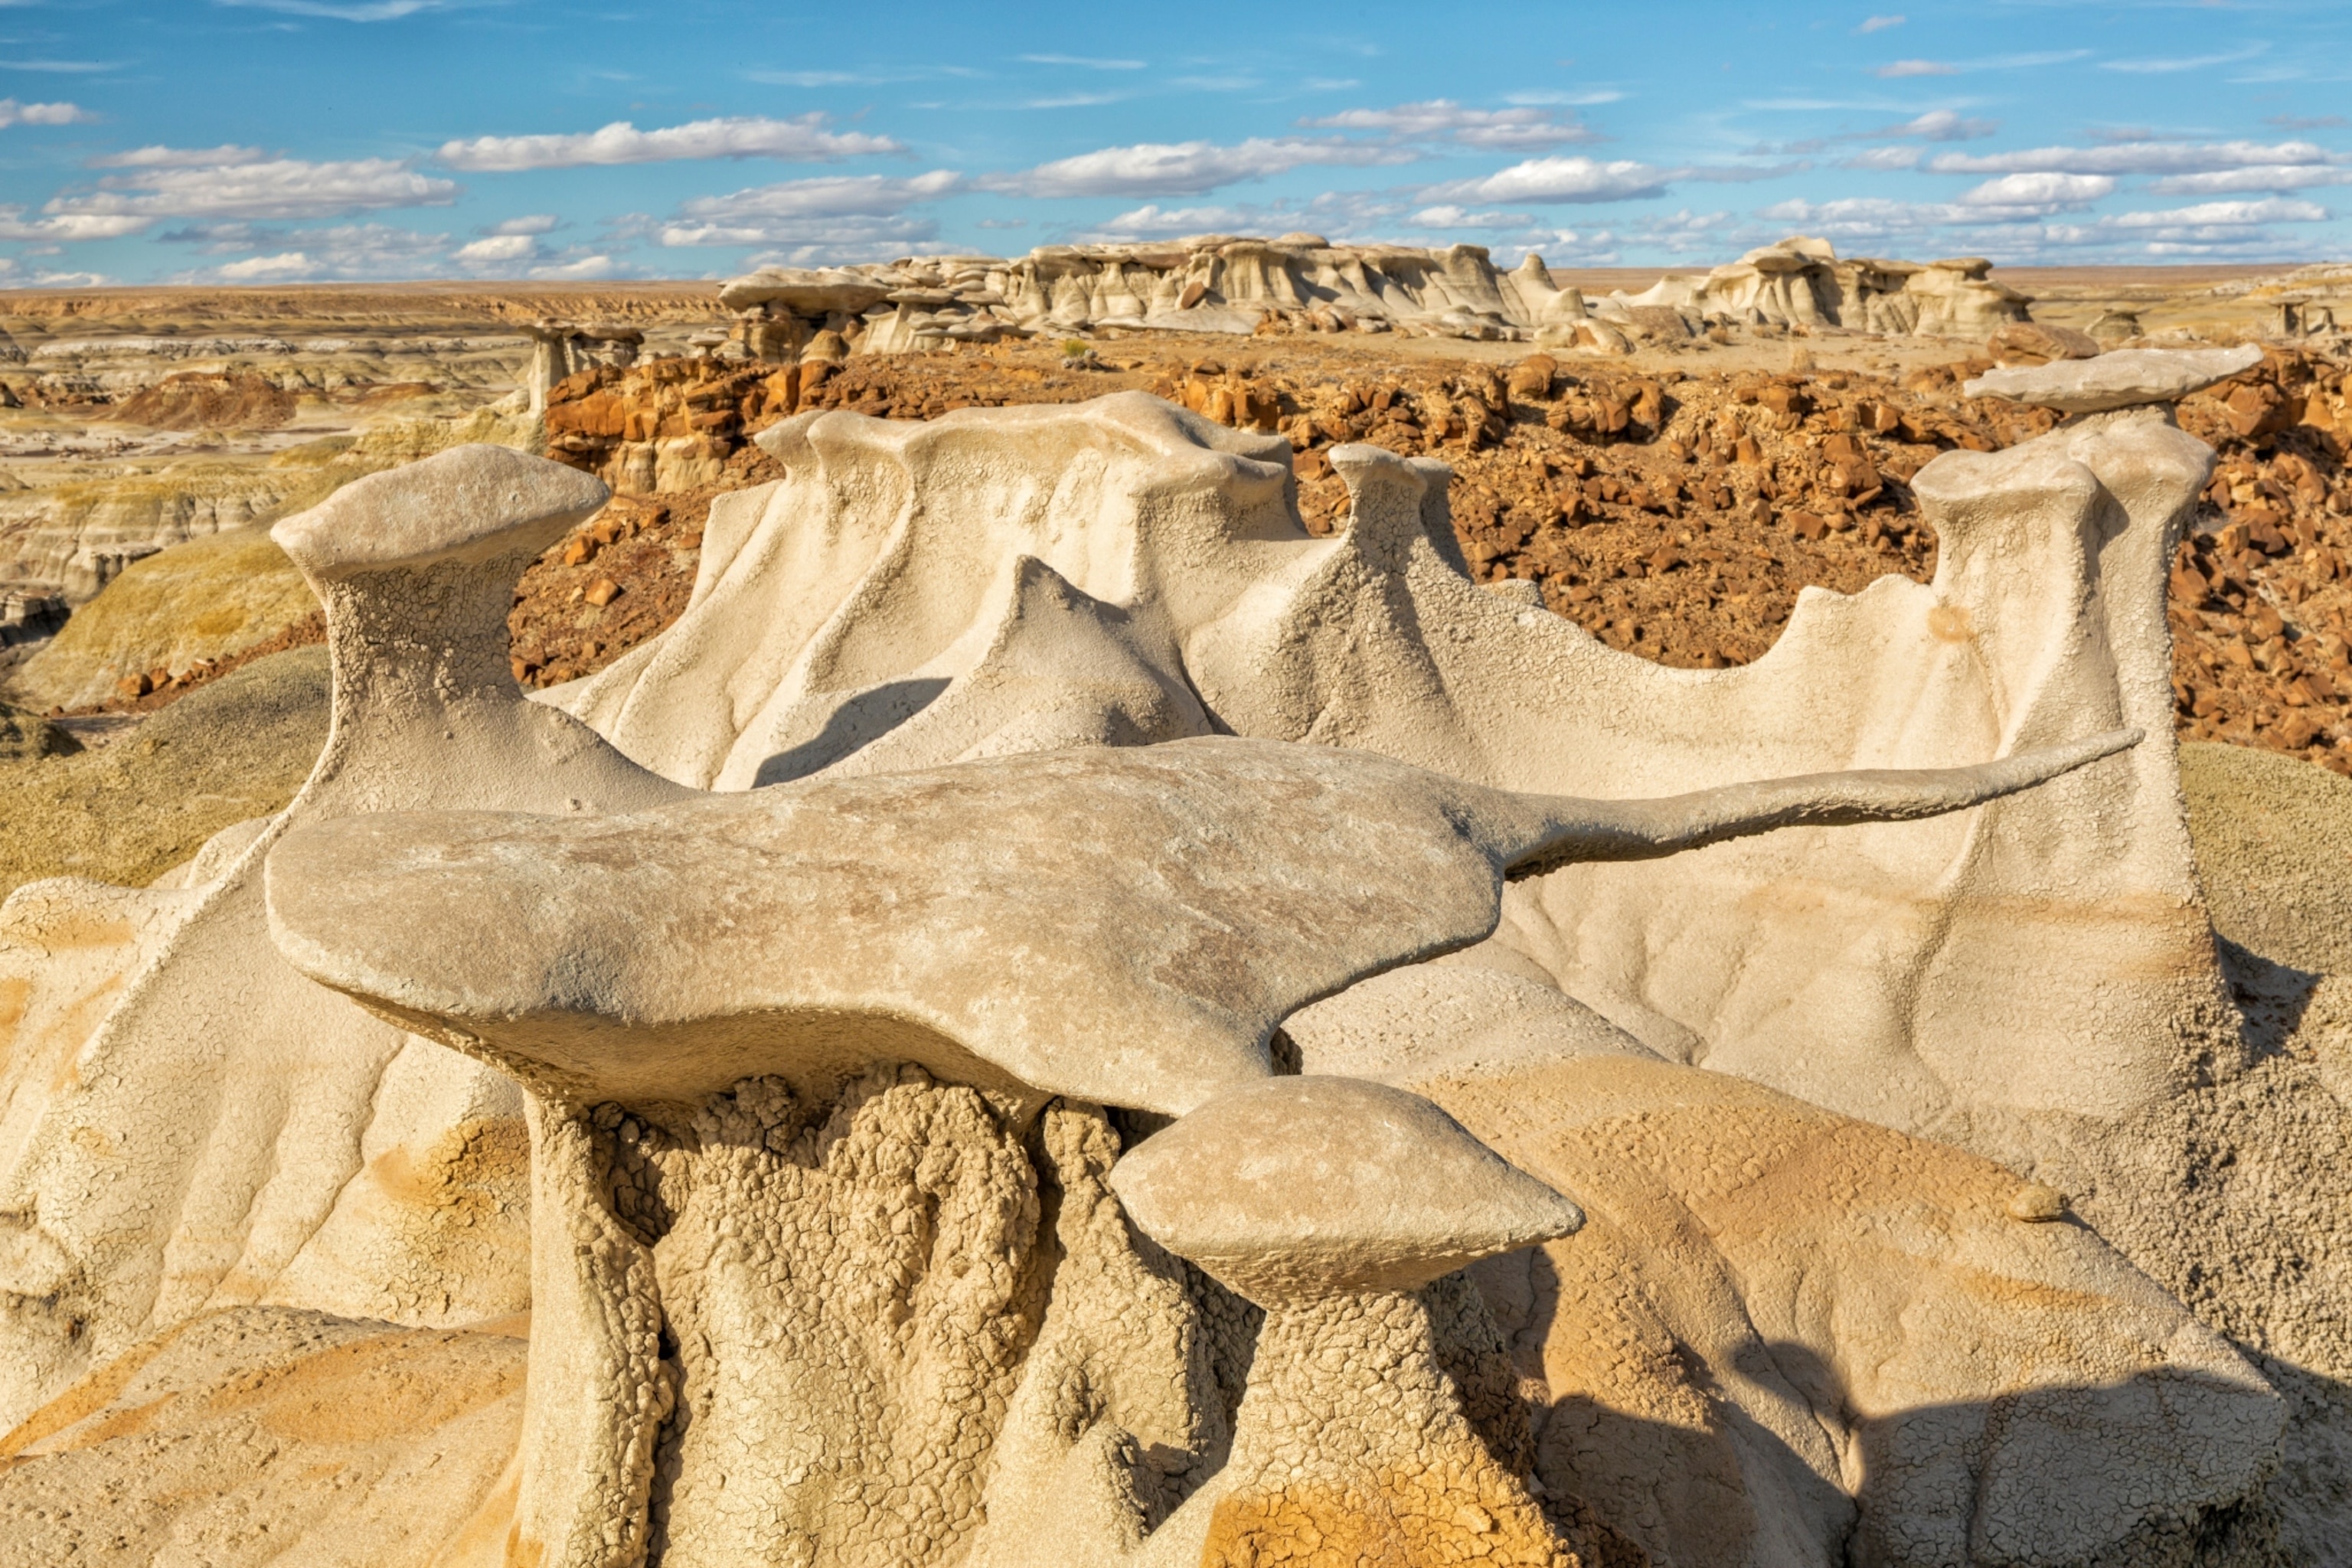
column 1302, row 282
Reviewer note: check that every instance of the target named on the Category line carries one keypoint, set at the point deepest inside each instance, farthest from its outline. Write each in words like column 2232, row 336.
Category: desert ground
column 1678, row 496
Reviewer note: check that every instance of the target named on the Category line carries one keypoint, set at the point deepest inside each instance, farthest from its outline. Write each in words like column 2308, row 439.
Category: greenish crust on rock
column 128, row 812
column 2273, row 841
column 27, row 737
column 208, row 598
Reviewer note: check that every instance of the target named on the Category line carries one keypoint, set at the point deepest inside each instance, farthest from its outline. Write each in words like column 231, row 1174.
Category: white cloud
column 801, row 139
column 371, row 250
column 2222, row 215
column 15, row 226
column 2261, row 177
column 2141, row 157
column 1082, row 61
column 1442, row 118
column 71, row 281
column 1884, row 158
column 15, row 113
column 583, row 267
column 1187, row 168
column 1880, row 24
column 1449, row 217
column 796, row 211
column 61, row 68
column 499, row 249
column 2188, row 63
column 1559, row 180
column 274, row 188
column 282, row 268
column 529, row 222
column 220, row 157
column 354, row 10
column 1894, row 69
column 1936, row 125
column 2042, row 191
column 1152, row 221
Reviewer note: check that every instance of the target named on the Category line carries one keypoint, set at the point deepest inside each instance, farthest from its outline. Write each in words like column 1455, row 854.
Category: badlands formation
column 1590, row 950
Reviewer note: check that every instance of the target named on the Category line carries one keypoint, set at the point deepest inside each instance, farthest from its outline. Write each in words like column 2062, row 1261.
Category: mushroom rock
column 954, row 955
column 896, row 896
column 838, row 606
column 1333, row 1203
column 200, row 1127
column 1901, row 1368
column 2120, row 378
column 805, row 292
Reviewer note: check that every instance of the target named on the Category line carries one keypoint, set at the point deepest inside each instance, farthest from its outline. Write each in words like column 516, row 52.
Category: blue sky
column 269, row 140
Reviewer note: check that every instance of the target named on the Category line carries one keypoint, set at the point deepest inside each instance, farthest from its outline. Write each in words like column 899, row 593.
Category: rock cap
column 470, row 502
column 2119, row 379
column 1296, row 1188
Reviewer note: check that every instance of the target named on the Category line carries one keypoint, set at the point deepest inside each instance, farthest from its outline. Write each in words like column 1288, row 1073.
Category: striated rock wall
column 1300, row 282
column 1802, row 281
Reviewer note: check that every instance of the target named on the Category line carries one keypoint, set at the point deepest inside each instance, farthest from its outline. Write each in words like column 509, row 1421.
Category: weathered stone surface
column 805, row 292
column 2039, row 343
column 1801, row 282
column 27, row 737
column 312, row 1156
column 1298, row 1188
column 1217, row 610
column 2121, row 379
column 897, row 895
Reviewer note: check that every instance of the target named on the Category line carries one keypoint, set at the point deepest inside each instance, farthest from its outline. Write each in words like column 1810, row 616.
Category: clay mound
column 209, row 400
column 383, row 1446
column 2273, row 841
column 207, row 600
column 128, row 812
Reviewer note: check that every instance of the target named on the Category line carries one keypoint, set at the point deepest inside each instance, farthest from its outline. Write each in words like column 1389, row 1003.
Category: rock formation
column 1802, row 281
column 859, row 1227
column 1214, row 283
column 1301, row 282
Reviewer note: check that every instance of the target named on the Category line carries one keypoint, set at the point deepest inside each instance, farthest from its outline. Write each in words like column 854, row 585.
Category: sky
column 278, row 141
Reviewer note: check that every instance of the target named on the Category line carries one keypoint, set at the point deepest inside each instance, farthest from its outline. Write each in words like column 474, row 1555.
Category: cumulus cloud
column 1152, row 221
column 15, row 113
column 1897, row 69
column 799, row 210
column 499, row 249
column 1188, row 168
column 1439, row 119
column 221, row 157
column 2261, row 177
column 2040, row 192
column 359, row 250
column 2138, row 157
column 1883, row 158
column 1560, row 180
column 59, row 229
column 271, row 188
column 597, row 265
column 529, row 222
column 2222, row 215
column 801, row 139
column 1450, row 217
column 1581, row 179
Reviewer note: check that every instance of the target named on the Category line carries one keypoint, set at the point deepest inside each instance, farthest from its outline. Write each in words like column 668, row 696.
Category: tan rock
column 2123, row 379
column 2038, row 343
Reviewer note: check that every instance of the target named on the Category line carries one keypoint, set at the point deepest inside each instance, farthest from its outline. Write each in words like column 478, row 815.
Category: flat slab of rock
column 805, row 292
column 1298, row 1188
column 2122, row 379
